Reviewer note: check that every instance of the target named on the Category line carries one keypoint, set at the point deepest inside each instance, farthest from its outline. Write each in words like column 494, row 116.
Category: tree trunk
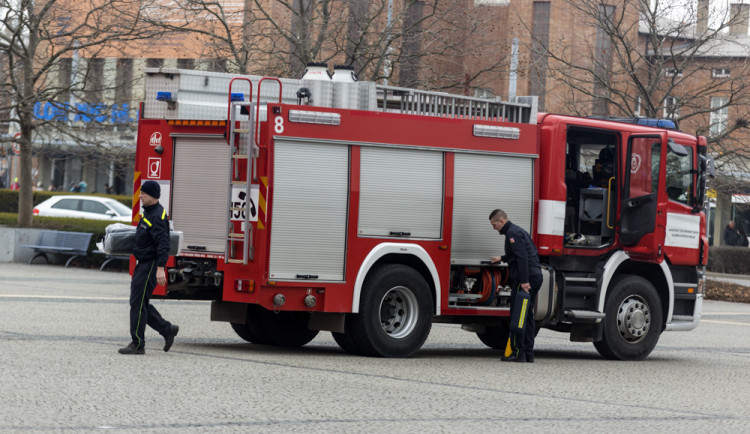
column 25, row 199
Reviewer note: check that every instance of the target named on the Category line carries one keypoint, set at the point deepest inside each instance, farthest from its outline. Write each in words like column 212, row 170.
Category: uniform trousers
column 142, row 312
column 522, row 343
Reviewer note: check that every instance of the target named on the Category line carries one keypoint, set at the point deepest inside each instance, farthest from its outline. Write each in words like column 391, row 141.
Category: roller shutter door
column 401, row 190
column 483, row 183
column 309, row 209
column 200, row 190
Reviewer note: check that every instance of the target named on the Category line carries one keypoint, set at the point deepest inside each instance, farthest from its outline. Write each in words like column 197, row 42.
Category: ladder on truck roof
column 244, row 147
column 442, row 104
column 191, row 94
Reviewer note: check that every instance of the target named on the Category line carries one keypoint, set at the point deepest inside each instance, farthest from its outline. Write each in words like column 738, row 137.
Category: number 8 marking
column 279, row 125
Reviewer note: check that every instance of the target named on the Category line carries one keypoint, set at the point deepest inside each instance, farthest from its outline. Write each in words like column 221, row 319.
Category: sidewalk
column 739, row 279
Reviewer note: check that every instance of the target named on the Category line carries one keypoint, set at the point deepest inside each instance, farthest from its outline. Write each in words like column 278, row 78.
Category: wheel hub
column 633, row 319
column 398, row 312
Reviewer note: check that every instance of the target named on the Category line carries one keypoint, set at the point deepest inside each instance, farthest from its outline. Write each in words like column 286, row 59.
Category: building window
column 124, row 81
column 185, row 63
column 720, row 73
column 719, row 115
column 154, row 63
column 539, row 54
column 603, row 60
column 672, row 72
column 671, row 107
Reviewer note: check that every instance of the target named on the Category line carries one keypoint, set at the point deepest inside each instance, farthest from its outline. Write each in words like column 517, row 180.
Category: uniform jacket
column 520, row 253
column 152, row 235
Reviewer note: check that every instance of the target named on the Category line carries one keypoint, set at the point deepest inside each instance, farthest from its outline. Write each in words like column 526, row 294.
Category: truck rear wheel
column 252, row 330
column 633, row 320
column 395, row 313
column 495, row 336
column 287, row 329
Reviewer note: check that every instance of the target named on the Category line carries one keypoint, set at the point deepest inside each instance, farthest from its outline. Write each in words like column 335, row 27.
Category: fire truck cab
column 359, row 209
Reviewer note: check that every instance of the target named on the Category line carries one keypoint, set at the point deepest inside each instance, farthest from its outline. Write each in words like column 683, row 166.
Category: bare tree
column 37, row 40
column 408, row 42
column 653, row 58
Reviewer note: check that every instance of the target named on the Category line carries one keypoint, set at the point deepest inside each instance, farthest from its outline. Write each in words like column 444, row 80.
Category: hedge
column 96, row 227
column 9, row 198
column 726, row 259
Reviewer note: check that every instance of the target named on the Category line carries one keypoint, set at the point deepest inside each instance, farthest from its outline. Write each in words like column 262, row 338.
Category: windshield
column 120, row 208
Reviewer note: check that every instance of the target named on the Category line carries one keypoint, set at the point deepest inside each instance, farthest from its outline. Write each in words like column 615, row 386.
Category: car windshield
column 120, row 208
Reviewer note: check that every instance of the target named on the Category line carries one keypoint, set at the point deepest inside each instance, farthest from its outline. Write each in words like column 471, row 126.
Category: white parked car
column 86, row 207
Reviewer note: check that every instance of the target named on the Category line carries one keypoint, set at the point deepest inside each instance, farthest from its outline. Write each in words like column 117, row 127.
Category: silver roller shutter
column 200, row 190
column 401, row 190
column 309, row 209
column 483, row 183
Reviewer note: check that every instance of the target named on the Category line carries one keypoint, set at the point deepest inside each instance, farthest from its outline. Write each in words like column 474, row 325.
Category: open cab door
column 642, row 222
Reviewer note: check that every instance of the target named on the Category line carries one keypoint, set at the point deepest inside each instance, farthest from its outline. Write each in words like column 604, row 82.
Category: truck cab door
column 641, row 195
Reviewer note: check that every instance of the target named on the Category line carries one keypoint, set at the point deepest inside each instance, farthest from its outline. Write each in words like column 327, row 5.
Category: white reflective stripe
column 683, row 231
column 403, row 249
column 670, row 289
column 551, row 217
column 614, row 263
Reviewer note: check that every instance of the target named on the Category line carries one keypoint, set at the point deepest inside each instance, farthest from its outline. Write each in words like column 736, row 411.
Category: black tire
column 633, row 320
column 286, row 329
column 244, row 332
column 347, row 343
column 252, row 330
column 395, row 313
column 495, row 336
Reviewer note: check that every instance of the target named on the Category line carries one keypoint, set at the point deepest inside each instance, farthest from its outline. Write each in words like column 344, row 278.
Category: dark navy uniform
column 524, row 267
column 151, row 249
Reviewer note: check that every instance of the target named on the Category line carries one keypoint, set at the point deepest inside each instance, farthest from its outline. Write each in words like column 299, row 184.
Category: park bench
column 73, row 244
column 111, row 257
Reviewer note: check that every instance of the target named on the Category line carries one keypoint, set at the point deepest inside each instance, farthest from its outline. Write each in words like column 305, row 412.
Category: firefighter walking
column 151, row 250
column 525, row 275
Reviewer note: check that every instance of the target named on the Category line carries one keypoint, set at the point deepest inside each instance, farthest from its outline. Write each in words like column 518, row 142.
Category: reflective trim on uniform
column 147, row 222
column 523, row 313
column 163, row 214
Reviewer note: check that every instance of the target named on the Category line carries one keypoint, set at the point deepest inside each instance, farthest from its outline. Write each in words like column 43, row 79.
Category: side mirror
column 707, row 166
column 111, row 213
column 706, row 169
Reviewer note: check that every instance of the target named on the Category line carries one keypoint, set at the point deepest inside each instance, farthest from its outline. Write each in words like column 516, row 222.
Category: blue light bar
column 658, row 123
column 164, row 96
column 238, row 96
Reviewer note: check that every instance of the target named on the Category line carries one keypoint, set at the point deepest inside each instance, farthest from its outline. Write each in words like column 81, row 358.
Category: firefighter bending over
column 525, row 275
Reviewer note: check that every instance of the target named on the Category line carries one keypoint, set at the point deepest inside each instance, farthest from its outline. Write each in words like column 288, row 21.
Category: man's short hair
column 498, row 214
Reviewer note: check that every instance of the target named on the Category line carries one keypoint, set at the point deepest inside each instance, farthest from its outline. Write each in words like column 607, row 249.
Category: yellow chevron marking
column 136, row 192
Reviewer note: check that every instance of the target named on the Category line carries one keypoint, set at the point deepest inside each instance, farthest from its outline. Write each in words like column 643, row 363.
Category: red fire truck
column 330, row 204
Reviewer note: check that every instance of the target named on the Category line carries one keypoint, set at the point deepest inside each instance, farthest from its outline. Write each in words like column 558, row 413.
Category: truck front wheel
column 395, row 313
column 633, row 320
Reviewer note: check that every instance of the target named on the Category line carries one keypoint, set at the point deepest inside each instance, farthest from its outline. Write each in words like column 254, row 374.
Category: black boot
column 515, row 358
column 131, row 349
column 169, row 338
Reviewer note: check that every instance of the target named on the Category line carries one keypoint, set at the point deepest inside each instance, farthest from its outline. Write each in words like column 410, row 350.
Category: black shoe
column 169, row 338
column 515, row 359
column 529, row 359
column 131, row 349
